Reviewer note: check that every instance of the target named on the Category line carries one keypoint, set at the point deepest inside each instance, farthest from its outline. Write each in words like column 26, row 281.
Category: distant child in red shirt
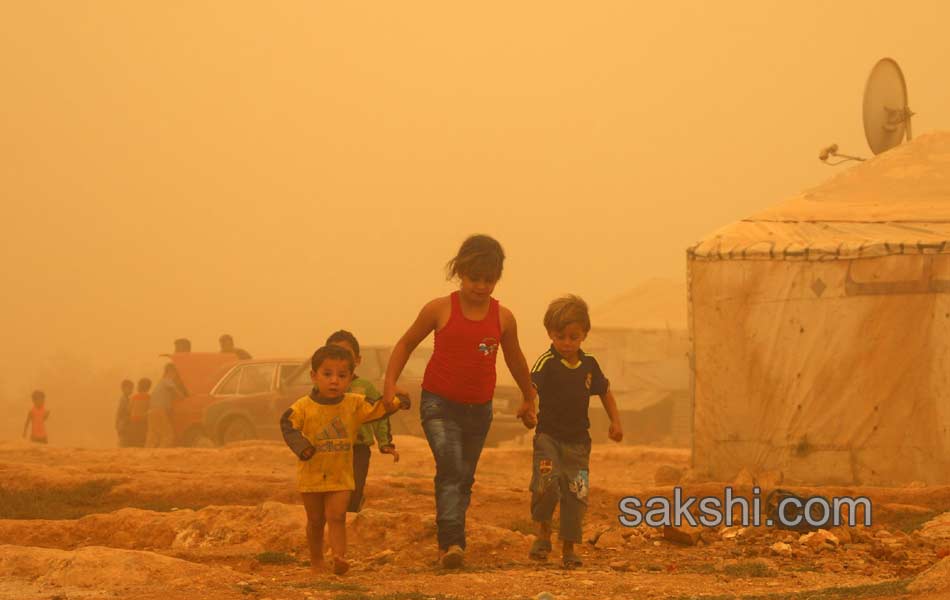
column 37, row 417
column 459, row 383
column 138, row 413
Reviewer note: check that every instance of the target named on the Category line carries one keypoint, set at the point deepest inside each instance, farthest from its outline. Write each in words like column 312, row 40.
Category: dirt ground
column 226, row 523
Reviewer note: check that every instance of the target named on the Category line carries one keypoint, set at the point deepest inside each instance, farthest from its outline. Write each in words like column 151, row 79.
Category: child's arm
column 293, row 437
column 518, row 366
column 367, row 411
column 538, row 372
column 424, row 324
column 381, row 428
column 382, row 431
column 26, row 426
column 600, row 385
column 610, row 405
column 384, row 437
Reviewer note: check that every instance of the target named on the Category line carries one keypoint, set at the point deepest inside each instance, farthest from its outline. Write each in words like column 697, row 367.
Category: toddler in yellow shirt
column 321, row 428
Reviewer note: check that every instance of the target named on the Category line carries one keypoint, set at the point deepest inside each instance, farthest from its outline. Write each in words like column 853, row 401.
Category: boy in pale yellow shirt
column 321, row 428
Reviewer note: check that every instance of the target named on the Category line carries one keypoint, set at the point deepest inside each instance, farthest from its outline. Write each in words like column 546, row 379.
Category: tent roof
column 895, row 203
column 653, row 304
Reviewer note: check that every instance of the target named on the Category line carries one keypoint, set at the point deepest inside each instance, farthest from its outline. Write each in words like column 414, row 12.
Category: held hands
column 390, row 450
column 394, row 402
column 616, row 431
column 527, row 414
column 403, row 401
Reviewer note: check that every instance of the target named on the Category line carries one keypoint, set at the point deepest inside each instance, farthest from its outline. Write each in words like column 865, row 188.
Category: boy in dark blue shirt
column 565, row 377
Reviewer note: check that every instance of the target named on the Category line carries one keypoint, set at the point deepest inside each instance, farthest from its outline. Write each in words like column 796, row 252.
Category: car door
column 244, row 401
column 293, row 383
column 258, row 392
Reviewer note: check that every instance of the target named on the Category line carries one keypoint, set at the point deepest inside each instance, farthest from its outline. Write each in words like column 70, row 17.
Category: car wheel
column 197, row 439
column 237, row 429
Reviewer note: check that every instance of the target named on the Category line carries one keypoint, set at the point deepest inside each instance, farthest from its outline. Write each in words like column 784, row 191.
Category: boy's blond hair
column 566, row 310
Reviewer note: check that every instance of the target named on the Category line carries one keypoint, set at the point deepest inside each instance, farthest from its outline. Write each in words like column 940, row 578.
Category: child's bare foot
column 317, row 568
column 340, row 566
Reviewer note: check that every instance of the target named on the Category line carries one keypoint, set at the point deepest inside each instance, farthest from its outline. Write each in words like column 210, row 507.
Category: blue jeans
column 456, row 434
column 560, row 475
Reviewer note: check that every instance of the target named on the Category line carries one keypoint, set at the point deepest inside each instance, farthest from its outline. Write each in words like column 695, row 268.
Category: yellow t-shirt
column 332, row 429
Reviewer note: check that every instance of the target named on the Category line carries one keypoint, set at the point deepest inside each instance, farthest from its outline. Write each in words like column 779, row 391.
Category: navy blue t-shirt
column 565, row 392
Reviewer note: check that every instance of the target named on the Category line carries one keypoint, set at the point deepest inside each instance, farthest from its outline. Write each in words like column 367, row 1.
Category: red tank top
column 462, row 367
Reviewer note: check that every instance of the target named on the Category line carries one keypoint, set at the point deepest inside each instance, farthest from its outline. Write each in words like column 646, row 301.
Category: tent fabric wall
column 830, row 362
column 836, row 388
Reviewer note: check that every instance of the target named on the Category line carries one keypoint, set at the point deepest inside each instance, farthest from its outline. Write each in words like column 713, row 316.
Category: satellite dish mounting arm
column 832, row 151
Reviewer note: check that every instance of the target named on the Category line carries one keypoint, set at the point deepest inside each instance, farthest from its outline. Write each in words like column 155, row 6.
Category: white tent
column 821, row 329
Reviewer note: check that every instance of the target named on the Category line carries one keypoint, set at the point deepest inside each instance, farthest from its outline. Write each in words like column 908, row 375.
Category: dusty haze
column 184, row 169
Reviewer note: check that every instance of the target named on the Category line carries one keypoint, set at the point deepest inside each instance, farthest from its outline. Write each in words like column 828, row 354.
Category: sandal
column 540, row 549
column 572, row 561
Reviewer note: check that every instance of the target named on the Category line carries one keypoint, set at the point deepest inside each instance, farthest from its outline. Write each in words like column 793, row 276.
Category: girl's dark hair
column 344, row 336
column 331, row 353
column 127, row 383
column 145, row 384
column 479, row 256
column 38, row 395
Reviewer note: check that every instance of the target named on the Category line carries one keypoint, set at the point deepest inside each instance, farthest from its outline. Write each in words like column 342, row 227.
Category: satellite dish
column 886, row 114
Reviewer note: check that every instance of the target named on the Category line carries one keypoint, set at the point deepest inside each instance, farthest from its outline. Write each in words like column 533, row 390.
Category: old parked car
column 249, row 399
column 229, row 399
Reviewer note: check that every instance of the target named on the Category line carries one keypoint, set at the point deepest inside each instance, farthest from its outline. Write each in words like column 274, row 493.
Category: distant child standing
column 37, row 418
column 459, row 381
column 321, row 428
column 161, row 433
column 380, row 429
column 566, row 377
column 138, row 413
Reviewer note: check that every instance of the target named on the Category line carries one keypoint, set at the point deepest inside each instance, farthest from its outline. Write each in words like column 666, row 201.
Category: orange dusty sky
column 280, row 170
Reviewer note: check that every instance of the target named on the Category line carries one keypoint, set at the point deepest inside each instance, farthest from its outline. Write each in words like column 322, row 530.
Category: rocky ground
column 225, row 523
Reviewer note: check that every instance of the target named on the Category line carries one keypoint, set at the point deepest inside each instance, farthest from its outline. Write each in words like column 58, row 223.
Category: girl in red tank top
column 462, row 367
column 456, row 410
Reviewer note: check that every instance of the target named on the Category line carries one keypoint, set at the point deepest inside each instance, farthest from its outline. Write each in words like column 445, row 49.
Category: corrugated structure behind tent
column 641, row 341
column 821, row 329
